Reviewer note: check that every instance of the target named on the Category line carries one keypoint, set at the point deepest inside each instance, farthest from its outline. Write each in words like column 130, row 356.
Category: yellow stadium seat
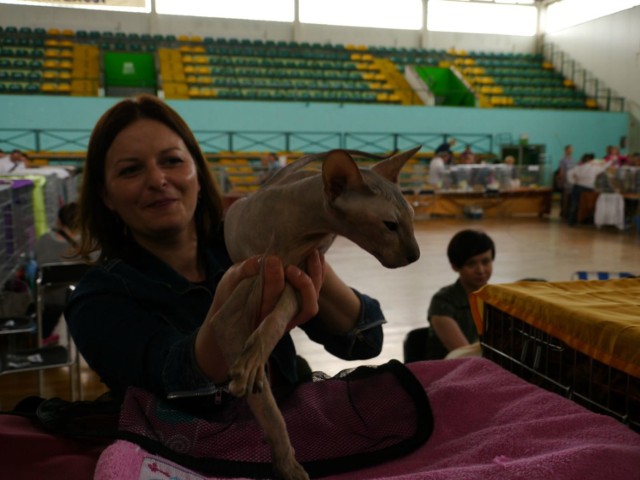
column 48, row 87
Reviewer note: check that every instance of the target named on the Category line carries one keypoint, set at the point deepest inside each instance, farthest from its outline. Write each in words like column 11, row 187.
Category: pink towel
column 489, row 424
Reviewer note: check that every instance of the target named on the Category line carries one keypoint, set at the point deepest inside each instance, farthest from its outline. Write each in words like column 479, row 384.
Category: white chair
column 609, row 210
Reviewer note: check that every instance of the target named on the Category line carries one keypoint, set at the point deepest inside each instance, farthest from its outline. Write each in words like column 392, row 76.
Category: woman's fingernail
column 293, row 270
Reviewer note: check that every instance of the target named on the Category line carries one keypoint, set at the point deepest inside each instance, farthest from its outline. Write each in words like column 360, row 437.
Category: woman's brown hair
column 101, row 229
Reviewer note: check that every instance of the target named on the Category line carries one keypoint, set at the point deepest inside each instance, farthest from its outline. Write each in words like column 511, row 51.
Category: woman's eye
column 127, row 170
column 391, row 226
column 173, row 160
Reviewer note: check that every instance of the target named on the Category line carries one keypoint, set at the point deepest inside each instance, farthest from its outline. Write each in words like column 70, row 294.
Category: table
column 508, row 203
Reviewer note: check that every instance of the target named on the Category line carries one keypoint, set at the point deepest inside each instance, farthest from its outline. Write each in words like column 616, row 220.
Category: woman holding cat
column 142, row 316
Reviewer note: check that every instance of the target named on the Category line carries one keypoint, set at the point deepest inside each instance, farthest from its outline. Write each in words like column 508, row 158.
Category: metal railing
column 211, row 141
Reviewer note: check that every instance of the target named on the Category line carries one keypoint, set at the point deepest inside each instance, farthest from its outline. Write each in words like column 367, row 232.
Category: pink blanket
column 489, row 424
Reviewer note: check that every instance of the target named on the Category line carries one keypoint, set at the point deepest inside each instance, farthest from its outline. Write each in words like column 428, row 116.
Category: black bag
column 359, row 418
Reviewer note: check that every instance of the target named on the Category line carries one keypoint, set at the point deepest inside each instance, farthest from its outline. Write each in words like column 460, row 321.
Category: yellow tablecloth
column 598, row 318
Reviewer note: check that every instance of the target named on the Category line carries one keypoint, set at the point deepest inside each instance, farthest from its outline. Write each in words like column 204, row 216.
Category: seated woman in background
column 452, row 331
column 143, row 316
column 57, row 246
column 471, row 254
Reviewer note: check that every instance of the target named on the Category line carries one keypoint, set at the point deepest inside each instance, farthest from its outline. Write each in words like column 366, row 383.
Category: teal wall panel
column 587, row 131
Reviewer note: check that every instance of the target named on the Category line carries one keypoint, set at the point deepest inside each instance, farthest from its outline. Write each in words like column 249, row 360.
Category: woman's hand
column 308, row 287
column 306, row 284
column 209, row 355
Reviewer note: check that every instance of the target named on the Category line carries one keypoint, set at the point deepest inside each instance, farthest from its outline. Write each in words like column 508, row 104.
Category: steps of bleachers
column 66, row 62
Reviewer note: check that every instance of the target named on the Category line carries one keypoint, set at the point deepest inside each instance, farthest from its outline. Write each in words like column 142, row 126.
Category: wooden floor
column 544, row 248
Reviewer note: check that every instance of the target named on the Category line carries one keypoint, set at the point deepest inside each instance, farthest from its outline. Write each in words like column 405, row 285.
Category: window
column 272, row 10
column 567, row 13
column 114, row 5
column 472, row 17
column 397, row 14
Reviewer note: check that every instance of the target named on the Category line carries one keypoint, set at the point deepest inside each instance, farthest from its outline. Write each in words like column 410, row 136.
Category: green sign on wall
column 446, row 86
column 123, row 69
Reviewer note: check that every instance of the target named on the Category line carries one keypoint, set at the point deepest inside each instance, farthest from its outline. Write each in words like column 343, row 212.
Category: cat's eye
column 391, row 226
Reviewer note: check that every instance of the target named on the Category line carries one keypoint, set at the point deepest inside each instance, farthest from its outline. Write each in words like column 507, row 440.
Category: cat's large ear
column 339, row 174
column 390, row 168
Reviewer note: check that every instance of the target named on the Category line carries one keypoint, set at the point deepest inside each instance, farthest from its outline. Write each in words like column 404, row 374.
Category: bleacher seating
column 66, row 62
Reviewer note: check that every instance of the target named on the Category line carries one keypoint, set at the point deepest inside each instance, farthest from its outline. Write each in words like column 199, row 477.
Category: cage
column 541, row 345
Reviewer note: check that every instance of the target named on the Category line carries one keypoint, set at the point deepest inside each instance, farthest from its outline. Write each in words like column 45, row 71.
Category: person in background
column 13, row 163
column 270, row 165
column 438, row 169
column 562, row 183
column 613, row 154
column 462, row 172
column 57, row 246
column 451, row 327
column 446, row 146
column 5, row 162
column 582, row 178
column 471, row 254
column 143, row 315
column 506, row 173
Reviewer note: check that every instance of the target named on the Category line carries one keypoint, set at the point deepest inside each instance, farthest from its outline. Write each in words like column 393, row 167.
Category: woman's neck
column 179, row 254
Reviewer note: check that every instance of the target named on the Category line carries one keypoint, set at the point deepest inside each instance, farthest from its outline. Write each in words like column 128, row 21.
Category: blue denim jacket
column 135, row 323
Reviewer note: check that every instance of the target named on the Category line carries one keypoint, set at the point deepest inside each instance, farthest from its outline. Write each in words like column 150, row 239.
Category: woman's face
column 151, row 181
column 476, row 272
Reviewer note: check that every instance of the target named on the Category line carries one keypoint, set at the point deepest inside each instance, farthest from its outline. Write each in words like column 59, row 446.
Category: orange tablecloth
column 598, row 318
